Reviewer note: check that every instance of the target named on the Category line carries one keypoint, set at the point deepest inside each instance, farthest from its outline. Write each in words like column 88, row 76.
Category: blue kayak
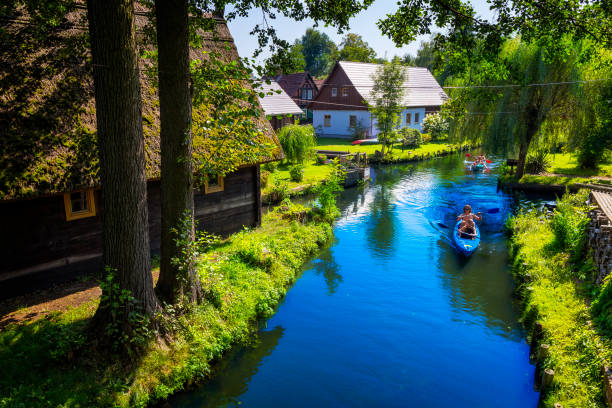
column 465, row 244
column 477, row 167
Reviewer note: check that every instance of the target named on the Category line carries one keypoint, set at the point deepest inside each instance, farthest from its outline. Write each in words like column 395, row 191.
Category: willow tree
column 521, row 98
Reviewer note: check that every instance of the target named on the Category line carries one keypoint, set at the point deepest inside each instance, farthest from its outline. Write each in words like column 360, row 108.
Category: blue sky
column 363, row 24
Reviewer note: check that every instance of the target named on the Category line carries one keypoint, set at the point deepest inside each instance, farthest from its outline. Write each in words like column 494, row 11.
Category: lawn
column 330, row 143
column 565, row 163
column 313, row 174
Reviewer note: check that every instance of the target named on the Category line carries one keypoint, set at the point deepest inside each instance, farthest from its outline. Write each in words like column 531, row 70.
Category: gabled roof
column 47, row 106
column 422, row 89
column 292, row 82
column 277, row 103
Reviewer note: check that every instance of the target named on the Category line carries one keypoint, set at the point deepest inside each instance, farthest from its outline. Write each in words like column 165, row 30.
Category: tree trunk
column 176, row 149
column 122, row 155
column 530, row 132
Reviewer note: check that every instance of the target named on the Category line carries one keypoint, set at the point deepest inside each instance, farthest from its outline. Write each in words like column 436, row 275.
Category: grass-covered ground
column 555, row 278
column 561, row 180
column 339, row 144
column 565, row 163
column 44, row 363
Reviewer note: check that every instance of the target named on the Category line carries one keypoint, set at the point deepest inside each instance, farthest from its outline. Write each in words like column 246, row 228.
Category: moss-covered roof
column 47, row 107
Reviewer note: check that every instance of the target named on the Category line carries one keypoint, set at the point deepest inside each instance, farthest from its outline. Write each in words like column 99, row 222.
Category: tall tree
column 122, row 157
column 286, row 62
column 176, row 151
column 388, row 94
column 425, row 55
column 317, row 48
column 354, row 48
column 503, row 105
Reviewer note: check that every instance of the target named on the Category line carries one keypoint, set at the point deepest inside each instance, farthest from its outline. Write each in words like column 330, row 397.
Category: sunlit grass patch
column 557, row 293
column 47, row 363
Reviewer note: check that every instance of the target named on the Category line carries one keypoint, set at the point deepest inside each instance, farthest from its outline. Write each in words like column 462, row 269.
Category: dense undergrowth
column 45, row 364
column 555, row 276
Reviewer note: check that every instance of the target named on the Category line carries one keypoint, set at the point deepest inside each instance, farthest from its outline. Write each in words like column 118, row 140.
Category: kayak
column 465, row 245
column 477, row 167
column 365, row 141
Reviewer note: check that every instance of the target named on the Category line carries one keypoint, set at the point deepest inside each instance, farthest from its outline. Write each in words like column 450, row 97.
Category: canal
column 389, row 315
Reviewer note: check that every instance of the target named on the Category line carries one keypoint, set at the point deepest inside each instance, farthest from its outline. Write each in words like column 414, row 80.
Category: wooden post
column 542, row 352
column 547, row 377
column 536, row 334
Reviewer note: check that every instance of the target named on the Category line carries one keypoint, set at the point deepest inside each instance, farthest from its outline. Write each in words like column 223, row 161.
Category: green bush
column 279, row 191
column 359, row 131
column 298, row 142
column 570, row 223
column 270, row 166
column 425, row 138
column 537, row 162
column 326, row 210
column 409, row 137
column 297, row 173
column 321, row 159
column 436, row 126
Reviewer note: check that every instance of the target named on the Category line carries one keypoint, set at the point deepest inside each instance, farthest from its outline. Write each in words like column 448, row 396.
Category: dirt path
column 58, row 298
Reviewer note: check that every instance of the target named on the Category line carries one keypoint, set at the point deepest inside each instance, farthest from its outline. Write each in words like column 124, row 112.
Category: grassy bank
column 554, row 276
column 45, row 363
column 426, row 150
column 565, row 163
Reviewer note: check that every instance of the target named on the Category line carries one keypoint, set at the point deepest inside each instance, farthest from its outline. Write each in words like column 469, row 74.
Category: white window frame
column 334, row 92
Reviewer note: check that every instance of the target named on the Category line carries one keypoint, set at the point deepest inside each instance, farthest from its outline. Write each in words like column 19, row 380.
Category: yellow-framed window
column 79, row 204
column 213, row 183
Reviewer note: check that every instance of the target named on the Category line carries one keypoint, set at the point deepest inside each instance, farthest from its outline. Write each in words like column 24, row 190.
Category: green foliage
column 359, row 131
column 326, row 210
column 265, row 177
column 570, row 223
column 354, row 48
column 279, row 191
column 321, row 159
column 298, row 142
column 388, row 94
column 538, row 162
column 409, row 137
column 317, row 48
column 270, row 166
column 297, row 172
column 436, row 125
column 45, row 364
column 556, row 292
column 118, row 304
column 286, row 61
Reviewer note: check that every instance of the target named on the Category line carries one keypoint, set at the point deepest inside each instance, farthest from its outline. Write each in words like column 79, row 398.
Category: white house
column 343, row 97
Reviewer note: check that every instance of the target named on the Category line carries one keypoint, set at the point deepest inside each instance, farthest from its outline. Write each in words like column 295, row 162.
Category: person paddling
column 468, row 218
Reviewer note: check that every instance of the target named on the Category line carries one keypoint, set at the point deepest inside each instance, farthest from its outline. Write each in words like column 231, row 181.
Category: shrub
column 359, row 131
column 326, row 209
column 279, row 191
column 265, row 177
column 271, row 167
column 298, row 142
column 436, row 125
column 537, row 162
column 297, row 172
column 570, row 222
column 425, row 138
column 410, row 137
column 321, row 159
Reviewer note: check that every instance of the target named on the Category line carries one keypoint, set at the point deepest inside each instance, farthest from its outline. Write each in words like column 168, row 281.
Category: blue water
column 389, row 315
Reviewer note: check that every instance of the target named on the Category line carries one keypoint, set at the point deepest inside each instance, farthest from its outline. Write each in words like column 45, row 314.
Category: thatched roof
column 47, row 107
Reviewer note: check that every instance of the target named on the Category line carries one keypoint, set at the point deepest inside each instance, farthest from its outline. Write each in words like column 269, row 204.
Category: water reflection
column 225, row 388
column 327, row 266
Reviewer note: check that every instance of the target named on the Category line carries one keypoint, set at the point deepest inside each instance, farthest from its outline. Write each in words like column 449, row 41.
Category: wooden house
column 49, row 187
column 342, row 101
column 301, row 87
column 278, row 107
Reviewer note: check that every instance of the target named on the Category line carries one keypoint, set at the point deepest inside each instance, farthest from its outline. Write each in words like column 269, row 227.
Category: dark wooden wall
column 38, row 247
column 277, row 123
column 337, row 79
